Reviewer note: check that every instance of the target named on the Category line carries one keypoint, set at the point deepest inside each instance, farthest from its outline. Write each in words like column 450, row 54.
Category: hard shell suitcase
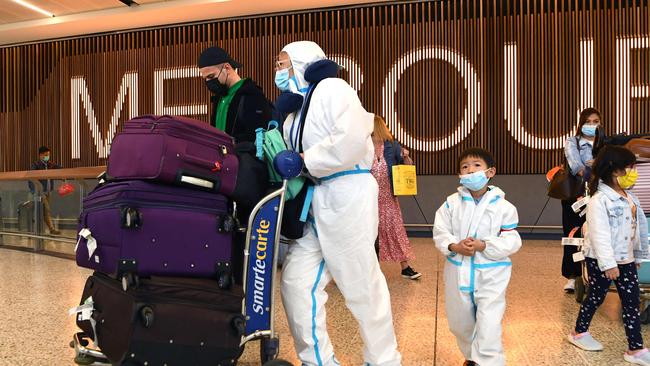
column 143, row 228
column 175, row 150
column 168, row 321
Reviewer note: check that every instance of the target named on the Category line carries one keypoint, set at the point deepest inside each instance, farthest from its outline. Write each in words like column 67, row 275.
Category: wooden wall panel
column 507, row 75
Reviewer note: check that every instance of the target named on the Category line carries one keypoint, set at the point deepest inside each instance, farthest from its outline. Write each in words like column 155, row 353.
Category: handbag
column 564, row 185
column 269, row 143
column 292, row 214
column 252, row 177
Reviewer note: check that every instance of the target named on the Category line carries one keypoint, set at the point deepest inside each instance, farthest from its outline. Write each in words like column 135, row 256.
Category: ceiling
column 12, row 12
column 19, row 24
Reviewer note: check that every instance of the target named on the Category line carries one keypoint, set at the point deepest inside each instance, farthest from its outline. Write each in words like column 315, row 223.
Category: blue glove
column 288, row 164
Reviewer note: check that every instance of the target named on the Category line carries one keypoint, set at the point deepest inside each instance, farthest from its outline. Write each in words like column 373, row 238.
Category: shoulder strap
column 303, row 115
column 397, row 152
column 240, row 108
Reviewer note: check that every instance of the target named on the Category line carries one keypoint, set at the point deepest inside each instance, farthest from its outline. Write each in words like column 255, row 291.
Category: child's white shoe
column 585, row 341
column 640, row 358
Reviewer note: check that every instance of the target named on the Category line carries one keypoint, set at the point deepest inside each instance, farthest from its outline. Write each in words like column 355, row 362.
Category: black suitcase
column 164, row 321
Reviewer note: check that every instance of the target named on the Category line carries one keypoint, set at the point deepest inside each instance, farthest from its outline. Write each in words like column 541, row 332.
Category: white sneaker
column 570, row 285
column 640, row 358
column 585, row 341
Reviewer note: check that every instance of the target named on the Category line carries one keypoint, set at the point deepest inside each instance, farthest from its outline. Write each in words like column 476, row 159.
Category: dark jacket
column 48, row 185
column 248, row 111
column 393, row 156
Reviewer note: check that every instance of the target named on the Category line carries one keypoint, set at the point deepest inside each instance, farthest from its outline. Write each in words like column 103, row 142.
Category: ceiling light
column 33, row 7
column 129, row 2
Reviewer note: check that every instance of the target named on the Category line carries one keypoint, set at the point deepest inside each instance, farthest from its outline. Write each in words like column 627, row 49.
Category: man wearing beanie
column 239, row 106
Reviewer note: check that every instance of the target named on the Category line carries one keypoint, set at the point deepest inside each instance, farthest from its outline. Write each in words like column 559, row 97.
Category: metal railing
column 29, row 228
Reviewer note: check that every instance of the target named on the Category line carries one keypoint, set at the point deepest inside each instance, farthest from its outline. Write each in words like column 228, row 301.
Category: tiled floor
column 37, row 290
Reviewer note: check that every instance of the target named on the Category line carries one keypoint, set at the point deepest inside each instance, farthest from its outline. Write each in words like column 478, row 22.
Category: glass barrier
column 40, row 219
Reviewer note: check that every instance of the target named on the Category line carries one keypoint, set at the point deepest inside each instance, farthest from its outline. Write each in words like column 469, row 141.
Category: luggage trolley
column 262, row 243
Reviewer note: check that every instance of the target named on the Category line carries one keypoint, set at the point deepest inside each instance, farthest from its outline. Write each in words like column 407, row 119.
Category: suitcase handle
column 131, row 218
column 212, row 165
column 211, row 183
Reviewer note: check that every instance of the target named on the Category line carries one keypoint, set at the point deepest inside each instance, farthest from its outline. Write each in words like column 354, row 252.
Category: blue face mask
column 474, row 181
column 282, row 79
column 46, row 158
column 589, row 130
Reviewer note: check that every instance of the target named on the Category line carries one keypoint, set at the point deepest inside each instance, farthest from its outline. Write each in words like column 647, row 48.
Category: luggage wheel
column 130, row 280
column 147, row 317
column 224, row 275
column 84, row 355
column 239, row 324
column 645, row 316
column 269, row 349
column 82, row 359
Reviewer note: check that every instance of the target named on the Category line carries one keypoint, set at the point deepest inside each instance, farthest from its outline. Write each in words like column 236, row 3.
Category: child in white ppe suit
column 475, row 230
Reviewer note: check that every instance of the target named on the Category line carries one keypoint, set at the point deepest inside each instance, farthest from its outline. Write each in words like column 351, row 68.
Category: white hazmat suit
column 341, row 230
column 475, row 287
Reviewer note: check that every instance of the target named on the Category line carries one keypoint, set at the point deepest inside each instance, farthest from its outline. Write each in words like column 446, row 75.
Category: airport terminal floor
column 37, row 290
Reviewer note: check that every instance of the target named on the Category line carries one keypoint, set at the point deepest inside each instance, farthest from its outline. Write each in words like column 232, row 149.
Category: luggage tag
column 85, row 311
column 91, row 243
column 576, row 242
column 570, row 240
column 577, row 205
column 578, row 257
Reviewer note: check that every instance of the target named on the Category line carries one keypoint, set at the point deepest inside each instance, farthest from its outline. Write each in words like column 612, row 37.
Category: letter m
column 81, row 96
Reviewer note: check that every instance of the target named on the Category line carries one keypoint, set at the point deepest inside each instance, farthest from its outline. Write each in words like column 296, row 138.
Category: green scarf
column 224, row 104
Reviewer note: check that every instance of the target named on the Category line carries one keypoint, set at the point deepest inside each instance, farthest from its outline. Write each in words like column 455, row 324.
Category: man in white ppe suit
column 475, row 229
column 342, row 227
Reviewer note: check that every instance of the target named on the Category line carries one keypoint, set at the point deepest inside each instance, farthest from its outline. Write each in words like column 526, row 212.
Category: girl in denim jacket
column 617, row 242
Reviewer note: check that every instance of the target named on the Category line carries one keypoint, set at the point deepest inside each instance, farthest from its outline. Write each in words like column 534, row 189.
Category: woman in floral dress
column 394, row 245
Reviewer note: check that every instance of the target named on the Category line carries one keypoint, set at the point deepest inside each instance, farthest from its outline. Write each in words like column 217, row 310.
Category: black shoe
column 470, row 363
column 409, row 273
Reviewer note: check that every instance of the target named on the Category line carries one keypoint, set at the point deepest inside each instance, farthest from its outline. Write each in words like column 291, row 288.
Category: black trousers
column 570, row 220
column 627, row 285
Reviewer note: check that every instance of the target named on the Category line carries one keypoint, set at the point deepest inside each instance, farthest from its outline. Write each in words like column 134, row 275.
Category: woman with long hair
column 394, row 245
column 579, row 156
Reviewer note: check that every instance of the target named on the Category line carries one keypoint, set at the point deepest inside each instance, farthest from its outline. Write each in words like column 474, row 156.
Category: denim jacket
column 393, row 156
column 609, row 228
column 577, row 157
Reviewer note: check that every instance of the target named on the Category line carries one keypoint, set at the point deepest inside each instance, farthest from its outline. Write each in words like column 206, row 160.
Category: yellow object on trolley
column 405, row 181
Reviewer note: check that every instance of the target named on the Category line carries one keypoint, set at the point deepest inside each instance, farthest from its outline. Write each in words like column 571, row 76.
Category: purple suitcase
column 142, row 228
column 174, row 150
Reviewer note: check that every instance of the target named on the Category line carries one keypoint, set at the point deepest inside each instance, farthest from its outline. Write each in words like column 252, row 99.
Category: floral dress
column 394, row 245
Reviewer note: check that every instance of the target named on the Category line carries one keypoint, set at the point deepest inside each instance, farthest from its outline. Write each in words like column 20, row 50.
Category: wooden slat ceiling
column 12, row 12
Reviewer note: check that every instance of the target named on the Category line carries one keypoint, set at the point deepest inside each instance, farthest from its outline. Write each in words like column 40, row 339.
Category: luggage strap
column 86, row 314
column 91, row 243
column 310, row 190
column 259, row 138
column 357, row 170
